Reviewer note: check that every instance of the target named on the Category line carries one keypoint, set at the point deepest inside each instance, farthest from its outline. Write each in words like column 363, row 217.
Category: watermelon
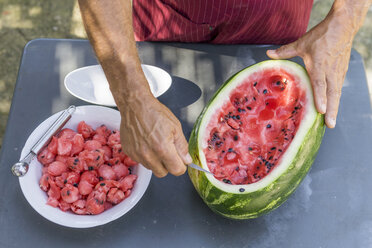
column 258, row 135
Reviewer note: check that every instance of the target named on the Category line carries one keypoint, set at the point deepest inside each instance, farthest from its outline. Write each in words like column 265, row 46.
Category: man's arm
column 150, row 133
column 325, row 50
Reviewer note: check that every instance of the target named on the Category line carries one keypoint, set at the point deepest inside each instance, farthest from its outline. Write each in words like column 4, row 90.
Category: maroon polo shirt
column 221, row 21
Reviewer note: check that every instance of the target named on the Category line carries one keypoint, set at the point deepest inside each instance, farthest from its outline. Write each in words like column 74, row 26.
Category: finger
column 283, row 52
column 333, row 100
column 173, row 162
column 182, row 147
column 151, row 162
column 318, row 82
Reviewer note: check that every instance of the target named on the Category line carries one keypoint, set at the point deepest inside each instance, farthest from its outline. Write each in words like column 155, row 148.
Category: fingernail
column 271, row 51
column 188, row 159
column 331, row 122
column 322, row 108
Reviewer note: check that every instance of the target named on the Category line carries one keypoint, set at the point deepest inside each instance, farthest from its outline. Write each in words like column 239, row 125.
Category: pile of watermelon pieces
column 86, row 172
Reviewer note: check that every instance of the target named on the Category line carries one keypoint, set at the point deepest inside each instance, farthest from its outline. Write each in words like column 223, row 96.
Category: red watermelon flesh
column 249, row 133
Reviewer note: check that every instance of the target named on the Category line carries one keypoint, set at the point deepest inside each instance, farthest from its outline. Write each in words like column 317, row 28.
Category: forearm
column 110, row 31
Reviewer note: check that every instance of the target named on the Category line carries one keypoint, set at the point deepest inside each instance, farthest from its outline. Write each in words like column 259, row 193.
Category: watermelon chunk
column 258, row 135
column 86, row 172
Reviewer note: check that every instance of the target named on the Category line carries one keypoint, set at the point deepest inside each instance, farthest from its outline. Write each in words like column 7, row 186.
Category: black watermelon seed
column 265, row 91
column 268, row 126
column 109, row 164
column 42, row 156
column 255, row 84
column 240, row 110
column 271, row 157
column 267, row 103
column 65, row 181
column 119, row 150
column 75, row 184
column 283, row 130
column 273, row 148
column 294, row 111
column 130, row 170
column 277, row 82
column 286, row 138
column 226, row 181
column 90, row 168
column 100, row 178
column 97, row 150
column 236, row 137
column 258, row 167
column 249, row 108
column 280, row 150
column 68, row 192
column 75, row 163
column 296, row 108
column 241, row 189
column 102, row 184
column 76, row 160
column 98, row 158
column 238, row 117
column 250, row 148
column 230, row 150
column 237, row 168
column 223, row 151
column 254, row 98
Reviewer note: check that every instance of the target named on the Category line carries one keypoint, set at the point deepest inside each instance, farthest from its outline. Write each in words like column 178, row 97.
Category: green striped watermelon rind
column 254, row 204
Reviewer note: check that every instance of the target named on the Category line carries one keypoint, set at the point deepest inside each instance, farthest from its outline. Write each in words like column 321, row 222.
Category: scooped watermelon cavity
column 258, row 135
column 251, row 131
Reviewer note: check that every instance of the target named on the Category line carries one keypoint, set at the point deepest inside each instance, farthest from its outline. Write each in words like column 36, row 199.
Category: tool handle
column 53, row 129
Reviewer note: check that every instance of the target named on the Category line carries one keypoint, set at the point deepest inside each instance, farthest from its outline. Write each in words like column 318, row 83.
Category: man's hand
column 153, row 136
column 150, row 133
column 325, row 50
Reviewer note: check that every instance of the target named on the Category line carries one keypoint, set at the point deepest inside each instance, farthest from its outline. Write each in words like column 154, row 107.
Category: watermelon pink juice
column 249, row 133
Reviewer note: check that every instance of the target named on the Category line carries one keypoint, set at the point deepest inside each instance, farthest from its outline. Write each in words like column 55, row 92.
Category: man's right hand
column 152, row 136
column 150, row 133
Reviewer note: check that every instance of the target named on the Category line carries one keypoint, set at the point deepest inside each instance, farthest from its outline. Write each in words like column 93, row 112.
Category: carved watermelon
column 258, row 135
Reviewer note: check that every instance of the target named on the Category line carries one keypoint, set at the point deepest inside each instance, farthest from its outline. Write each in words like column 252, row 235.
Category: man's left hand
column 325, row 50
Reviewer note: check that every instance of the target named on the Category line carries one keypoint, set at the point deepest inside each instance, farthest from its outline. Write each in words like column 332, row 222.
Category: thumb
column 283, row 52
column 182, row 148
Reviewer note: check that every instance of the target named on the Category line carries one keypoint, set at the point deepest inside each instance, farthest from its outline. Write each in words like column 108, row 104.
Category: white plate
column 90, row 83
column 94, row 116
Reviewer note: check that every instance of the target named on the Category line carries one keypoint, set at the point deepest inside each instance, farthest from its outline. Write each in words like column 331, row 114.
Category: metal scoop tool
column 199, row 168
column 20, row 169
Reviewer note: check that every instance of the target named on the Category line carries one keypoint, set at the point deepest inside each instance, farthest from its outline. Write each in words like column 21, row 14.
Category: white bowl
column 94, row 116
column 90, row 84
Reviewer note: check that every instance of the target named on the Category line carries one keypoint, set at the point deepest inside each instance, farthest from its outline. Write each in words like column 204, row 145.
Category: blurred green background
column 24, row 20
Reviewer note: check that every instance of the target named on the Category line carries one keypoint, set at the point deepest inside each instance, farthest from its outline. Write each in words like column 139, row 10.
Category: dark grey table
column 331, row 208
